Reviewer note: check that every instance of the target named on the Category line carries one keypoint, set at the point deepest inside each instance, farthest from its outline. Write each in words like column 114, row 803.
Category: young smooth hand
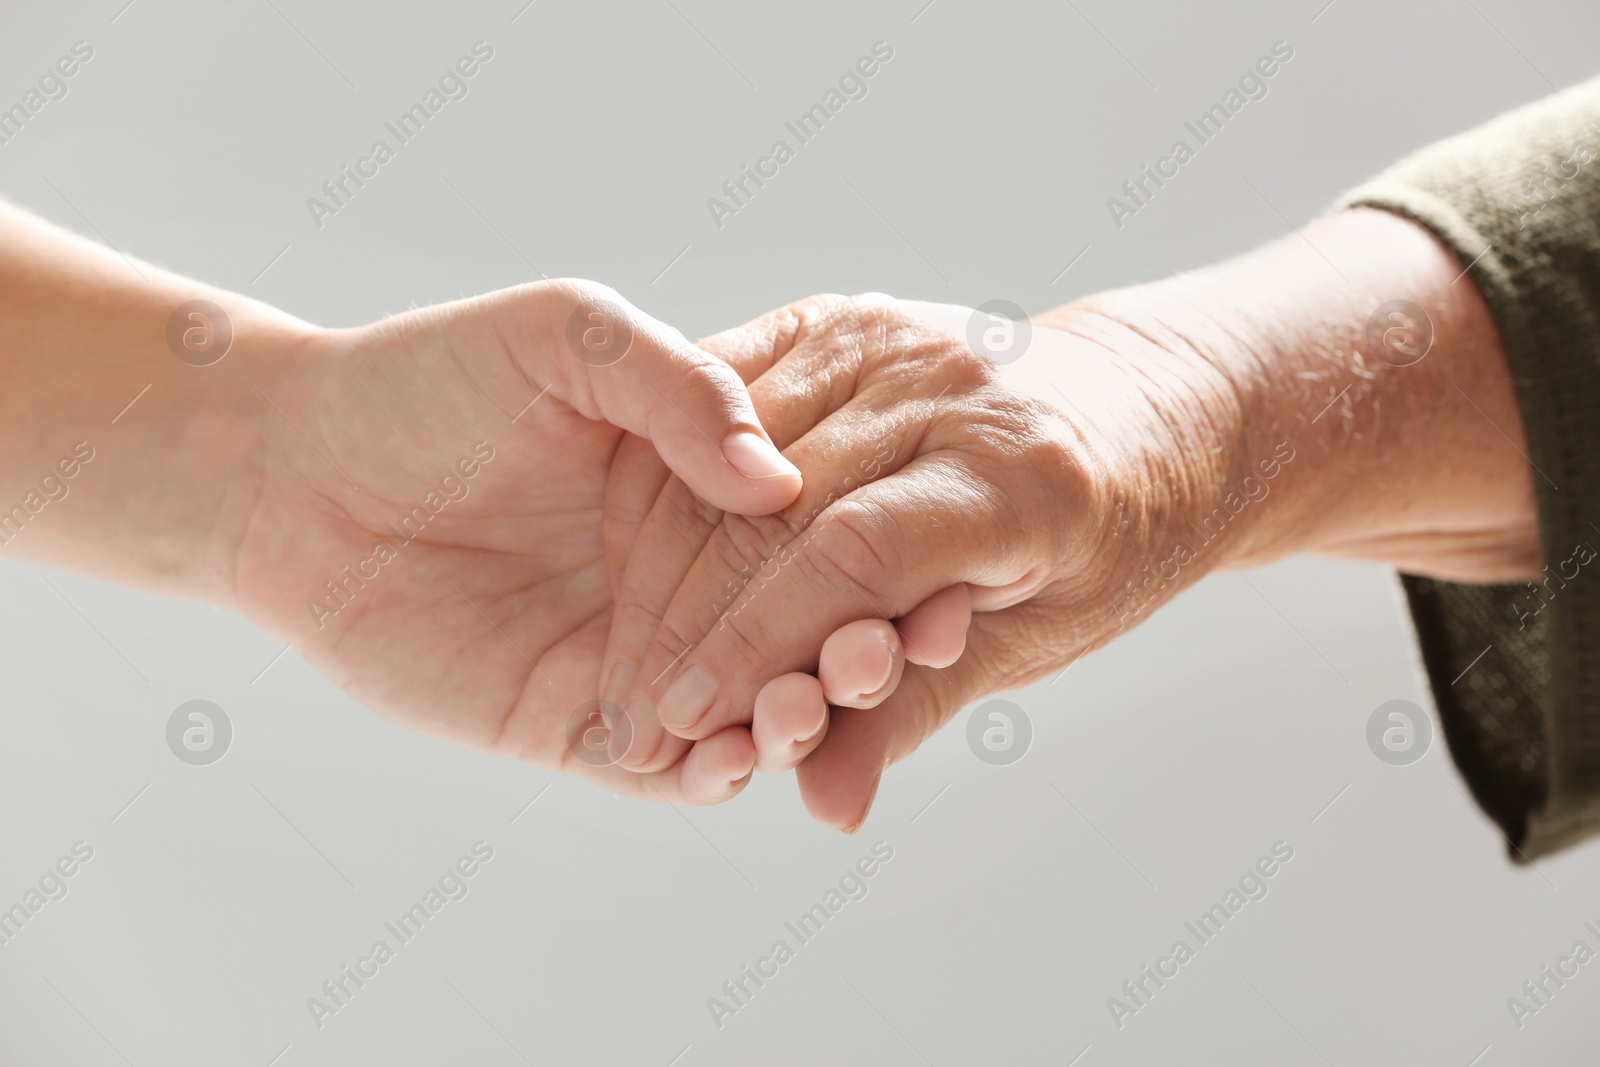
column 423, row 515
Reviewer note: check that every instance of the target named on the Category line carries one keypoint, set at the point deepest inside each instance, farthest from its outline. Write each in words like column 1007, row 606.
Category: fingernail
column 639, row 710
column 745, row 777
column 754, row 456
column 868, row 809
column 820, row 724
column 618, row 678
column 687, row 700
column 888, row 671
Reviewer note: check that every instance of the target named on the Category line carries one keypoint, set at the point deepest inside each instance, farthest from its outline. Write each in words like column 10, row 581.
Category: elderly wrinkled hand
column 1059, row 493
column 940, row 488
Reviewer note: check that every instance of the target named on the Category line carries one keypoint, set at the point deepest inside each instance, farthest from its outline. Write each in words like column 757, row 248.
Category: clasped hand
column 630, row 550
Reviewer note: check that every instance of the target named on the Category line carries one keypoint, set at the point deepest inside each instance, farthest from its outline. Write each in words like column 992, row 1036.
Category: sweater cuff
column 1515, row 669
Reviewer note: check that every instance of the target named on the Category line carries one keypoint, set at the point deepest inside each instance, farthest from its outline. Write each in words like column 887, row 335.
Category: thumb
column 612, row 362
column 839, row 781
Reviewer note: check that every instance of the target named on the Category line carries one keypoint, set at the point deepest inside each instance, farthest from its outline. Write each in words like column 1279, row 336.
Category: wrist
column 183, row 469
column 1169, row 415
column 1157, row 428
column 250, row 421
column 129, row 424
column 1222, row 476
column 1363, row 410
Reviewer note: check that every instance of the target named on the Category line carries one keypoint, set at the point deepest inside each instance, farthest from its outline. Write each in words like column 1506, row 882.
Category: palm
column 486, row 626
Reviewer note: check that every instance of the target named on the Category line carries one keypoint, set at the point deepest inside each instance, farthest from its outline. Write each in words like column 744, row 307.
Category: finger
column 860, row 666
column 638, row 475
column 791, row 718
column 611, row 361
column 743, row 556
column 840, row 780
column 788, row 388
column 909, row 391
column 672, row 516
column 636, row 479
column 670, row 531
column 935, row 631
column 880, row 550
column 860, row 663
column 714, row 770
column 680, row 524
column 644, row 581
column 718, row 767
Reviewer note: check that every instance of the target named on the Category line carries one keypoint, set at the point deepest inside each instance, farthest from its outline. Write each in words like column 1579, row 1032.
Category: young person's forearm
column 118, row 458
column 1369, row 409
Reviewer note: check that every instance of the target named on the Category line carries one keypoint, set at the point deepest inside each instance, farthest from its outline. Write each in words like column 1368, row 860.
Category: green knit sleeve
column 1515, row 669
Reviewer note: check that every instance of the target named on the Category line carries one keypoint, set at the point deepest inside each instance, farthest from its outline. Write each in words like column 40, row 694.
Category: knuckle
column 878, row 313
column 1036, row 442
column 822, row 304
column 855, row 540
column 925, row 354
column 874, row 303
column 741, row 638
column 633, row 616
column 1040, row 487
column 1072, row 490
column 850, row 314
column 672, row 640
column 575, row 292
column 955, row 374
column 752, row 544
column 1050, row 483
column 706, row 375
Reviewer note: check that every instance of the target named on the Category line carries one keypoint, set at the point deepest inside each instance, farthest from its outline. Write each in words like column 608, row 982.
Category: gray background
column 1023, row 897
